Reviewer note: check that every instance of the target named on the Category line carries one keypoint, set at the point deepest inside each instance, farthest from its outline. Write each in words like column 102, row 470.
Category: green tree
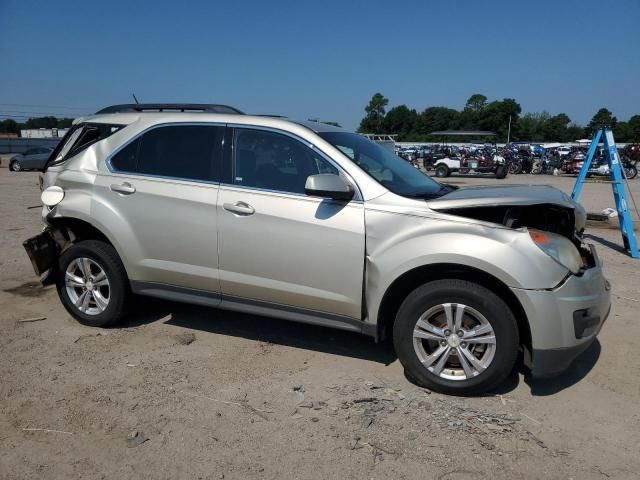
column 476, row 103
column 602, row 118
column 634, row 128
column 531, row 126
column 495, row 117
column 555, row 128
column 374, row 119
column 9, row 126
column 437, row 118
column 401, row 121
column 574, row 132
column 622, row 132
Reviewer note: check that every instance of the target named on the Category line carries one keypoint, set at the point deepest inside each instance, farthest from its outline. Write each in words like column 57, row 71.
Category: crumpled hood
column 502, row 195
column 509, row 195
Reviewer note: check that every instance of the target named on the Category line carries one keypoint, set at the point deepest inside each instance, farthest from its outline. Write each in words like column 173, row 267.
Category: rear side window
column 191, row 152
column 79, row 138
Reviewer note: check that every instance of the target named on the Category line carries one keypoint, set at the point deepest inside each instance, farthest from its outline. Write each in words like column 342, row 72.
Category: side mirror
column 328, row 185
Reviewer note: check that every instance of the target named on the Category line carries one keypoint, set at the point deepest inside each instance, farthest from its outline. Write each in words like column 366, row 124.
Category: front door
column 278, row 245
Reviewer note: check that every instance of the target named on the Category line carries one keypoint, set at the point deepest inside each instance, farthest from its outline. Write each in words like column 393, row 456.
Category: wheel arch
column 412, row 279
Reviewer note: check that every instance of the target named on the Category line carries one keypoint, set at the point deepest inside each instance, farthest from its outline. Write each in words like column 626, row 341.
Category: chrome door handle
column 239, row 208
column 125, row 188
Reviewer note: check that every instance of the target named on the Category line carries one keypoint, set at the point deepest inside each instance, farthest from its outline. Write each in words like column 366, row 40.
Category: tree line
column 11, row 126
column 480, row 114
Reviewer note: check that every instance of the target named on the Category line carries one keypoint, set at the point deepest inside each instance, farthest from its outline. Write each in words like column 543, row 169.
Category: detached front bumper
column 565, row 320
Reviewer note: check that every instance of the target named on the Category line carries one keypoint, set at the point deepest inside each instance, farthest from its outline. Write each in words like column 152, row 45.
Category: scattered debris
column 532, row 419
column 185, row 338
column 315, row 419
column 136, row 438
column 366, row 421
column 33, row 319
column 48, row 430
column 244, row 404
column 87, row 335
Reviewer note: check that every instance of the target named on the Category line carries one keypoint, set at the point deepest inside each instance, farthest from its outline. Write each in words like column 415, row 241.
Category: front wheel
column 15, row 166
column 442, row 171
column 630, row 171
column 455, row 336
column 501, row 172
column 515, row 167
column 92, row 283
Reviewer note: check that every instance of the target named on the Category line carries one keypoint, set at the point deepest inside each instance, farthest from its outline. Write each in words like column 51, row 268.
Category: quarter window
column 274, row 162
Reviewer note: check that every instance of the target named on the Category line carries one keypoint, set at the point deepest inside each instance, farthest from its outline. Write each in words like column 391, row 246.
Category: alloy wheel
column 454, row 341
column 87, row 286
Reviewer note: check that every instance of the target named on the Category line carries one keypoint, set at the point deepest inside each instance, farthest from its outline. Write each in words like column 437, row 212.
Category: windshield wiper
column 443, row 190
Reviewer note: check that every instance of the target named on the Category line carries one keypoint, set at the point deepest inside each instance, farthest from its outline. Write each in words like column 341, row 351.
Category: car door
column 162, row 187
column 30, row 158
column 279, row 247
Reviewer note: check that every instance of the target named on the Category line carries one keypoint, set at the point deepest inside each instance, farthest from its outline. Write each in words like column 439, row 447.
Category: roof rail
column 169, row 107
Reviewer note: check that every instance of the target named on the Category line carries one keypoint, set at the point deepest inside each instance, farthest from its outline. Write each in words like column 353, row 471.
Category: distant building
column 44, row 133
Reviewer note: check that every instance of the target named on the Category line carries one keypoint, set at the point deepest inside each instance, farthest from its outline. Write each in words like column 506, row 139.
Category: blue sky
column 320, row 59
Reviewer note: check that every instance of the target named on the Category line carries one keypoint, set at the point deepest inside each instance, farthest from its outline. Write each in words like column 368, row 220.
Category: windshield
column 394, row 173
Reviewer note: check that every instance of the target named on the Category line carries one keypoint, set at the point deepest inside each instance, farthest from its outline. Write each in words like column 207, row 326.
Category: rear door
column 163, row 187
column 279, row 247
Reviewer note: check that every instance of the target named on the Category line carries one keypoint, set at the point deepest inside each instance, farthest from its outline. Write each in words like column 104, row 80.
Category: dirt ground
column 189, row 392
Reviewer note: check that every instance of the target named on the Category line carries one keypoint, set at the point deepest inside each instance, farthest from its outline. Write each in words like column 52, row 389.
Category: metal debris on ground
column 136, row 438
column 33, row 319
column 185, row 338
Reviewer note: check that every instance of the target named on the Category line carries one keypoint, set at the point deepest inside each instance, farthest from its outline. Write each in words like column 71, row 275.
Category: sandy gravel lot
column 214, row 395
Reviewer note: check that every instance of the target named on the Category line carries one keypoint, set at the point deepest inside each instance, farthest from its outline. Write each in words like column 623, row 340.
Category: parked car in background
column 316, row 224
column 33, row 159
column 563, row 151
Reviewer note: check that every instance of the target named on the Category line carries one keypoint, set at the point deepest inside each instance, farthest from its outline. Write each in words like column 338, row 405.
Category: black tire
column 515, row 167
column 105, row 256
column 442, row 171
column 501, row 172
column 15, row 166
column 630, row 171
column 483, row 300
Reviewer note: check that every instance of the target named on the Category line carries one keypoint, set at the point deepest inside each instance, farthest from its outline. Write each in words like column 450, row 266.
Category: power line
column 13, row 112
column 6, row 115
column 46, row 106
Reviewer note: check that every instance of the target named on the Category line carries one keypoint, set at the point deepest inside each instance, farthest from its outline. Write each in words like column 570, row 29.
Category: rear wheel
column 455, row 336
column 92, row 283
column 442, row 171
column 501, row 172
column 15, row 166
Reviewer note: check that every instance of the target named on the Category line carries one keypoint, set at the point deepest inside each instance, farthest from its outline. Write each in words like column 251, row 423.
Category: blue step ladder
column 617, row 184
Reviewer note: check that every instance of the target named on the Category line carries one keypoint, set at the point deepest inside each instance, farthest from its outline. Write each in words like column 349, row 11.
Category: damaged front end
column 547, row 213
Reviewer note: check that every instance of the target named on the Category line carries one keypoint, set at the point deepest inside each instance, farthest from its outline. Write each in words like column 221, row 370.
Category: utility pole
column 509, row 131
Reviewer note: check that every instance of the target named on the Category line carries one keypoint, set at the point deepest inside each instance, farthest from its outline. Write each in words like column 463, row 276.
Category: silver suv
column 312, row 223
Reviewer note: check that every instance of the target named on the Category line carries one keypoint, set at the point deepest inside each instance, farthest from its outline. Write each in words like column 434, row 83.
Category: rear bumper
column 564, row 321
column 42, row 251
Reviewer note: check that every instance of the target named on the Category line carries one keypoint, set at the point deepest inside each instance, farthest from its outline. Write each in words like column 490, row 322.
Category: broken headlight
column 559, row 248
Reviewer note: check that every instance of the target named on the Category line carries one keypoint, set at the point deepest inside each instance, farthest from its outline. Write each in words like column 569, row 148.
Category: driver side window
column 272, row 161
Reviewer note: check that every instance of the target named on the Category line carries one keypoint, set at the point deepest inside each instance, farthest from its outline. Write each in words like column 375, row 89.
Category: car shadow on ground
column 542, row 387
column 605, row 243
column 332, row 341
column 263, row 329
